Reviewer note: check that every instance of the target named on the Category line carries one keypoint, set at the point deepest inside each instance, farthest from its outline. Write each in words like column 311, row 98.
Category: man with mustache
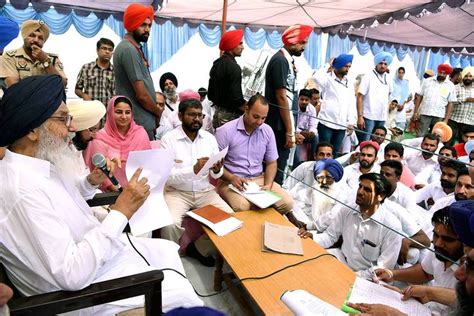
column 442, row 188
column 463, row 113
column 169, row 85
column 30, row 59
column 281, row 90
column 435, row 101
column 366, row 164
column 132, row 70
column 417, row 160
column 192, row 147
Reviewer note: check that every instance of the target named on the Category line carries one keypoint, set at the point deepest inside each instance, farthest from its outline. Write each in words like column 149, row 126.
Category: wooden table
column 324, row 277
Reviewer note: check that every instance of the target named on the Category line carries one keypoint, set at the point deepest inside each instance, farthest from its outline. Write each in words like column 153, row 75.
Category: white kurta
column 50, row 240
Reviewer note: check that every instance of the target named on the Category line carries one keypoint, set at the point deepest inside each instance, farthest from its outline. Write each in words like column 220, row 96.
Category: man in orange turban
column 131, row 68
column 281, row 92
column 435, row 101
column 225, row 80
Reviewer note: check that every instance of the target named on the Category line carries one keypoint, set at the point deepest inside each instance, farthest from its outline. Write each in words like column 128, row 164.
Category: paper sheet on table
column 282, row 239
column 262, row 199
column 208, row 165
column 154, row 213
column 303, row 303
column 365, row 291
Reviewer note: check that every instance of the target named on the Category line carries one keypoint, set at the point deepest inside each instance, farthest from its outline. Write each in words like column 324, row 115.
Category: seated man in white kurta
column 50, row 239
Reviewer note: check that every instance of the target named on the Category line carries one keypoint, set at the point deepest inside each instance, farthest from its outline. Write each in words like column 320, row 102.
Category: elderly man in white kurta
column 50, row 238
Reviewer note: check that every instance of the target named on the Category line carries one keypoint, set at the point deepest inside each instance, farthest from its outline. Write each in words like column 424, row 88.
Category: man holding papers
column 188, row 186
column 251, row 143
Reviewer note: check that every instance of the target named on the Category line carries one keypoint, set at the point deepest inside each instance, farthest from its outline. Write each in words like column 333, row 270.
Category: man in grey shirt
column 131, row 68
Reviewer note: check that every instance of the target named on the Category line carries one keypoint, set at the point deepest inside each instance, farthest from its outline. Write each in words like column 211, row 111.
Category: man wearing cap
column 435, row 100
column 338, row 105
column 463, row 112
column 30, row 59
column 131, row 68
column 281, row 92
column 373, row 96
column 225, row 80
column 314, row 200
column 50, row 239
column 168, row 85
column 96, row 80
column 366, row 164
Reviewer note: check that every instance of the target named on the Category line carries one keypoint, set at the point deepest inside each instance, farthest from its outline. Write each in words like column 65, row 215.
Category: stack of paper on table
column 255, row 195
column 303, row 303
column 216, row 219
column 365, row 291
column 282, row 239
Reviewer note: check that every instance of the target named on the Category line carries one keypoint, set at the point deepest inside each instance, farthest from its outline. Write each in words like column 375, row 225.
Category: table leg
column 218, row 278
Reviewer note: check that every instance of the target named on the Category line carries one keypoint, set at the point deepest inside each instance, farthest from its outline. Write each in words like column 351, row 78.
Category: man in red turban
column 435, row 101
column 225, row 80
column 132, row 71
column 281, row 91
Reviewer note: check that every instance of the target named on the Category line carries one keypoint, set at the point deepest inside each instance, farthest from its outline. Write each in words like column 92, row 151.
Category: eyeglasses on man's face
column 66, row 119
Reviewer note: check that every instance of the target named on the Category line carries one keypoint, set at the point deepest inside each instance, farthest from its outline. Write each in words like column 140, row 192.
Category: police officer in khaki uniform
column 30, row 59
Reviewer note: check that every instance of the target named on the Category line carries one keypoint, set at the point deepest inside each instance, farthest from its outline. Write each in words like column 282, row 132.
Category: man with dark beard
column 50, row 239
column 132, row 70
column 463, row 113
column 442, row 188
column 192, row 147
column 281, row 92
column 87, row 116
column 366, row 164
column 434, row 266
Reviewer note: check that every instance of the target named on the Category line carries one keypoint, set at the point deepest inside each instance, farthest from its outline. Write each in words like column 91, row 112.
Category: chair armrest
column 147, row 283
column 103, row 199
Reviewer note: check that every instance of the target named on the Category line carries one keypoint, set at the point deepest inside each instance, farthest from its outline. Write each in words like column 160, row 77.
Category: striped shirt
column 436, row 96
column 97, row 82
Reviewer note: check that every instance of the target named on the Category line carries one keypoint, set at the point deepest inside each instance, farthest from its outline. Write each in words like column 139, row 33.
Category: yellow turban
column 443, row 130
column 467, row 70
column 85, row 114
column 30, row 26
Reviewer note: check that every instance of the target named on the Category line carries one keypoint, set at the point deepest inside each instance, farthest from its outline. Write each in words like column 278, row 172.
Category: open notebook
column 216, row 219
column 255, row 195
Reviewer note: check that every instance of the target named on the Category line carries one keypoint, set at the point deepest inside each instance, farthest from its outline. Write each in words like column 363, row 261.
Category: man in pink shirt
column 251, row 144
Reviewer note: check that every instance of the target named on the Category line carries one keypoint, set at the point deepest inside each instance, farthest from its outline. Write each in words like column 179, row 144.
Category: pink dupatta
column 111, row 143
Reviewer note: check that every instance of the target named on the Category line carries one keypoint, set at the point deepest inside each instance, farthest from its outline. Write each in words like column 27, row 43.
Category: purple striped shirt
column 247, row 152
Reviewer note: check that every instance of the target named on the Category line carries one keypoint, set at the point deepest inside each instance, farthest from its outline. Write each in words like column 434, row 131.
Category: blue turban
column 383, row 56
column 330, row 165
column 461, row 214
column 8, row 31
column 201, row 310
column 28, row 104
column 342, row 60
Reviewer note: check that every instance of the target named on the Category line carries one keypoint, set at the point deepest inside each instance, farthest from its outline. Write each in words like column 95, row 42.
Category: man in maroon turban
column 131, row 68
column 435, row 101
column 225, row 80
column 281, row 92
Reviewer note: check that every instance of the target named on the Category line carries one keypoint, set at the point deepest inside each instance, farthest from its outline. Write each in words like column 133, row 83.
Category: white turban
column 85, row 113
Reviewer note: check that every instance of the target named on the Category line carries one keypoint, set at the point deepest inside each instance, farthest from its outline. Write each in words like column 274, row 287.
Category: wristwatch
column 47, row 63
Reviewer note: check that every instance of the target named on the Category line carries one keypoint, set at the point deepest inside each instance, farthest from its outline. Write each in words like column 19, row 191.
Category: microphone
column 99, row 161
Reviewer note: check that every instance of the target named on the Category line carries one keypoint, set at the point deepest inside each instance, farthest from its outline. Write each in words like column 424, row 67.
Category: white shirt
column 429, row 174
column 352, row 174
column 354, row 230
column 432, row 190
column 405, row 197
column 441, row 277
column 51, row 240
column 408, row 221
column 187, row 153
column 303, row 173
column 416, row 162
column 339, row 103
column 376, row 90
column 436, row 96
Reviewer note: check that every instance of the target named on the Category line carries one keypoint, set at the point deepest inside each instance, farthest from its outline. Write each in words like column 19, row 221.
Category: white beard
column 320, row 203
column 61, row 154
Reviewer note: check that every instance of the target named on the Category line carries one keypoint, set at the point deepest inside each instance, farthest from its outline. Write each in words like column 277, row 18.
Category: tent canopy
column 432, row 24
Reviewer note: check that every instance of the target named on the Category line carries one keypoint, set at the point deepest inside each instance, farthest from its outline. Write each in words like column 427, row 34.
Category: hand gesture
column 299, row 138
column 384, row 274
column 239, row 183
column 96, row 177
column 217, row 166
column 419, row 292
column 38, row 53
column 303, row 233
column 133, row 196
column 199, row 164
